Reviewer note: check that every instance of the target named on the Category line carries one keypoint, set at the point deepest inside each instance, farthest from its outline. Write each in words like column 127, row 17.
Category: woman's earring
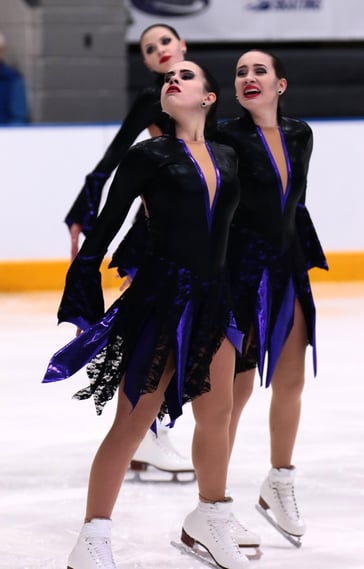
column 280, row 92
column 203, row 104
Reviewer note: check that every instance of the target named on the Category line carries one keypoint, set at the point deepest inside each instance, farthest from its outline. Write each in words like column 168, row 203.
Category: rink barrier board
column 38, row 275
column 19, row 276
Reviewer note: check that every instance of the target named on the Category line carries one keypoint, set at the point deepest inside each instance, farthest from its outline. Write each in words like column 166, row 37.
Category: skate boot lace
column 99, row 549
column 220, row 531
column 236, row 525
column 285, row 496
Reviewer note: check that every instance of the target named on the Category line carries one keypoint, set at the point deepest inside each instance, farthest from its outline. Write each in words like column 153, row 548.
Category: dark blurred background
column 79, row 68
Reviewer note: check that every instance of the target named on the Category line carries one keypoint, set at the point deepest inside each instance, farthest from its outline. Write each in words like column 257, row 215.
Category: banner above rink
column 244, row 20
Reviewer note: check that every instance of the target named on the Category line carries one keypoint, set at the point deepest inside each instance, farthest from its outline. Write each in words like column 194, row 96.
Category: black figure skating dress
column 145, row 111
column 179, row 300
column 273, row 242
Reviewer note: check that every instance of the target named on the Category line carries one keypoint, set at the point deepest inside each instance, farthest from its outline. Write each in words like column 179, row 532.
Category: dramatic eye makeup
column 149, row 49
column 258, row 69
column 166, row 40
column 185, row 75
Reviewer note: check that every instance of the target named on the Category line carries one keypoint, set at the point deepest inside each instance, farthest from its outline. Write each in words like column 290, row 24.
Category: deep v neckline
column 282, row 191
column 210, row 200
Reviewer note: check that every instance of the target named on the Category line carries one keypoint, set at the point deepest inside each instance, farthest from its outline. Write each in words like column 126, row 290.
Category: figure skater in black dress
column 160, row 46
column 171, row 337
column 273, row 245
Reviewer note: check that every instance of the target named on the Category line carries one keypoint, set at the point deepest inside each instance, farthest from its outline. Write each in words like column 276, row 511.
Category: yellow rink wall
column 19, row 276
column 35, row 196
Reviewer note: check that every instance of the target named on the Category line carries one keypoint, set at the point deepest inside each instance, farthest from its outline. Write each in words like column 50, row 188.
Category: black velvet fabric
column 145, row 111
column 268, row 236
column 179, row 300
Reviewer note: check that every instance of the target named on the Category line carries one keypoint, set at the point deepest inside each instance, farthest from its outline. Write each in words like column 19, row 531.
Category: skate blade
column 252, row 552
column 196, row 552
column 152, row 475
column 295, row 540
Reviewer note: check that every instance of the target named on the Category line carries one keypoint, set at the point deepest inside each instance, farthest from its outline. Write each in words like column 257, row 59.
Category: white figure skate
column 245, row 538
column 207, row 534
column 277, row 503
column 159, row 453
column 93, row 547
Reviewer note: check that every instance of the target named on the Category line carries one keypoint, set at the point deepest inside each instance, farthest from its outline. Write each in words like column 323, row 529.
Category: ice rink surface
column 47, row 441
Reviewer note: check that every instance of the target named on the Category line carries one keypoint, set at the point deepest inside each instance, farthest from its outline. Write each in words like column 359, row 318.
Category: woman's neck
column 191, row 135
column 265, row 119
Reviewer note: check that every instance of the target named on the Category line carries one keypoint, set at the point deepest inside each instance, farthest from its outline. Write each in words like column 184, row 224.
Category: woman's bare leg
column 243, row 388
column 117, row 449
column 212, row 412
column 287, row 386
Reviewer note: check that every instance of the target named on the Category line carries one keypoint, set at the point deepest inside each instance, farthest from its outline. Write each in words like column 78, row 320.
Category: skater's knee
column 289, row 387
column 243, row 389
column 214, row 415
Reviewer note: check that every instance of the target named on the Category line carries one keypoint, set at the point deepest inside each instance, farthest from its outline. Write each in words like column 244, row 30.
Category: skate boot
column 277, row 503
column 158, row 451
column 245, row 538
column 93, row 547
column 208, row 529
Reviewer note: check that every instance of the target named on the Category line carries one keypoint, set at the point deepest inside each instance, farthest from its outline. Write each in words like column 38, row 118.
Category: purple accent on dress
column 218, row 182
column 283, row 194
column 81, row 350
column 263, row 309
column 271, row 343
column 234, row 335
column 209, row 208
column 131, row 272
column 182, row 340
column 282, row 328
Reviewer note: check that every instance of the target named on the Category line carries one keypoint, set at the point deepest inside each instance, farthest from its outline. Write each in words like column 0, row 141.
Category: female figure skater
column 171, row 336
column 161, row 46
column 273, row 244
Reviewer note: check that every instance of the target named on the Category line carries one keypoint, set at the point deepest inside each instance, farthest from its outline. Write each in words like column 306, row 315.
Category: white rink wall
column 43, row 168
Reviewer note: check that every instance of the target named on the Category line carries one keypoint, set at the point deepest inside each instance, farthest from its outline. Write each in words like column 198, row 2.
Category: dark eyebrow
column 166, row 36
column 260, row 65
column 254, row 65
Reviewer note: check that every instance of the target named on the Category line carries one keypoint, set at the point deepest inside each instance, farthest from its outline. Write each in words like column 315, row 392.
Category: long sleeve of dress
column 310, row 243
column 82, row 302
column 145, row 111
